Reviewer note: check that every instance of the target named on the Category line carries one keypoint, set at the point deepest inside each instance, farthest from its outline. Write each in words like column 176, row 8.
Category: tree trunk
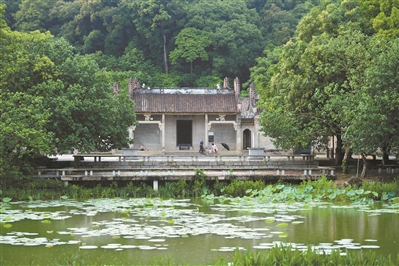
column 385, row 155
column 364, row 170
column 165, row 55
column 347, row 156
column 385, row 159
column 339, row 155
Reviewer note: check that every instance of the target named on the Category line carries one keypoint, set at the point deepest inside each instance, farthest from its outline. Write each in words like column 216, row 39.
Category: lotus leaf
column 7, row 199
column 280, row 186
column 309, row 188
column 282, row 225
column 287, row 189
column 300, row 196
column 351, row 193
column 359, row 191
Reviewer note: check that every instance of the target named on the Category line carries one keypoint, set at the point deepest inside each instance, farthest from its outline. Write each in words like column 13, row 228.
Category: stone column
column 253, row 138
column 238, row 134
column 206, row 132
column 163, row 133
column 131, row 135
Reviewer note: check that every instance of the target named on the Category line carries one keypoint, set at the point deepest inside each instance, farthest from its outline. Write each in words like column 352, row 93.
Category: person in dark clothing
column 202, row 150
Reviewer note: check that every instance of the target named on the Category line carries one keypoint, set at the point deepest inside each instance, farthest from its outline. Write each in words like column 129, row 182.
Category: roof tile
column 183, row 103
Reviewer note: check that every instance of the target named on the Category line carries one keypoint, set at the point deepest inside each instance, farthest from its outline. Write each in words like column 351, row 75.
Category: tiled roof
column 185, row 103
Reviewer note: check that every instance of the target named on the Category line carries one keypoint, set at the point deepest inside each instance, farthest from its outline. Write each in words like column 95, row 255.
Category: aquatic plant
column 218, row 187
column 238, row 188
column 384, row 191
column 289, row 256
column 199, row 182
column 308, row 191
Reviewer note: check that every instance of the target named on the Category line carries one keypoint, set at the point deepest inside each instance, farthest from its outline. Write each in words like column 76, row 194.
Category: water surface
column 140, row 231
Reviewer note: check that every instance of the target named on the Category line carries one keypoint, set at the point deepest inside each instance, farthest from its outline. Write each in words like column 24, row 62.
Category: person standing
column 214, row 149
column 202, row 149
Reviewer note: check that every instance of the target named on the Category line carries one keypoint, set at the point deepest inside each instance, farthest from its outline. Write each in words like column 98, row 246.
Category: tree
column 53, row 100
column 160, row 17
column 307, row 94
column 191, row 44
column 372, row 118
column 327, row 85
column 33, row 15
column 386, row 23
column 23, row 134
column 263, row 71
column 234, row 32
column 11, row 8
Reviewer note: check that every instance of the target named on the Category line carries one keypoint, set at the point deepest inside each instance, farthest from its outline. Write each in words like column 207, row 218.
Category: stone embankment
column 105, row 167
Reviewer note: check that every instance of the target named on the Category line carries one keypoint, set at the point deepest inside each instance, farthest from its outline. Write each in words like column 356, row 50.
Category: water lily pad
column 282, row 225
column 370, row 246
column 73, row 242
column 88, row 247
column 345, row 240
column 325, row 244
column 157, row 240
column 143, row 247
column 128, row 246
column 110, row 247
column 353, row 247
column 143, row 237
column 32, row 244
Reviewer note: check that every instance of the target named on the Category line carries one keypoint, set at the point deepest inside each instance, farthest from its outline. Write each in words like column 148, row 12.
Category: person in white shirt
column 214, row 149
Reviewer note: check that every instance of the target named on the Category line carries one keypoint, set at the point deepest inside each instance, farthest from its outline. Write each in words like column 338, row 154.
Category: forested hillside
column 165, row 42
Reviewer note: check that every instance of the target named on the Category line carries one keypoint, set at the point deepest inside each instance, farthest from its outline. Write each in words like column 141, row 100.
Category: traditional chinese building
column 171, row 119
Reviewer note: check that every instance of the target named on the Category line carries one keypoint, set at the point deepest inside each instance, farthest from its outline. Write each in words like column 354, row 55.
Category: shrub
column 239, row 188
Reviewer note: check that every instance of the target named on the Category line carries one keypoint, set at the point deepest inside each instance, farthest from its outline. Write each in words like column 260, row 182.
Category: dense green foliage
column 54, row 100
column 197, row 43
column 336, row 77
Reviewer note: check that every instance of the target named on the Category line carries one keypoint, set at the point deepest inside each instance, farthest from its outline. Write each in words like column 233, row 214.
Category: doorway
column 246, row 139
column 184, row 135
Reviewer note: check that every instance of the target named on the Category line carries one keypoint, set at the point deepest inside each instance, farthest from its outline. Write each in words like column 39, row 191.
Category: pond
column 195, row 231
